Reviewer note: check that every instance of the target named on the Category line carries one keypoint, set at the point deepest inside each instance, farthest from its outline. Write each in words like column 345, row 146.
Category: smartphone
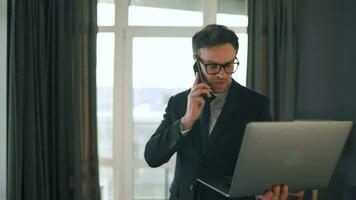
column 202, row 79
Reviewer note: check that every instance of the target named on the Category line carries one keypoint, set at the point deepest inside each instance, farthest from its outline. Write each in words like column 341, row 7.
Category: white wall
column 3, row 81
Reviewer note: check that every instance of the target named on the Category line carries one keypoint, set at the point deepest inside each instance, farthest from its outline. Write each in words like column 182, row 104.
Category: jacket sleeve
column 166, row 139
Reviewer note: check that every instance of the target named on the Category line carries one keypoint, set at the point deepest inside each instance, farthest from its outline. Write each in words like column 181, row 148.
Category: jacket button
column 191, row 187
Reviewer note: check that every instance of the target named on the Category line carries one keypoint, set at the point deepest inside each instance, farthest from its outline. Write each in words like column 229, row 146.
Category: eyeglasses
column 214, row 68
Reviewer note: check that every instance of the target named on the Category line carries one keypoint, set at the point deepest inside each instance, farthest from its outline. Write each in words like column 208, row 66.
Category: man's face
column 219, row 54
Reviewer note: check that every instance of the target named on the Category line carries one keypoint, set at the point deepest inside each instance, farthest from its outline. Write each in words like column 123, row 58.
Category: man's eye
column 230, row 65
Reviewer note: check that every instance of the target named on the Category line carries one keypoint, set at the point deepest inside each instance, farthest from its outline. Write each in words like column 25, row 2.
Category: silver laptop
column 302, row 154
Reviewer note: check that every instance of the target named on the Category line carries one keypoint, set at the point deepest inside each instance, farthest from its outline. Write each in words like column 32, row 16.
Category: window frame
column 3, row 97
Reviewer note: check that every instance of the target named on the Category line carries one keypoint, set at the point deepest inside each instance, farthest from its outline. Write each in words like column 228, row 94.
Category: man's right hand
column 195, row 103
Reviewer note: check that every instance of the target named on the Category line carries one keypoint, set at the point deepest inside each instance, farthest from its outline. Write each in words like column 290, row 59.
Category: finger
column 201, row 86
column 296, row 194
column 196, row 97
column 199, row 93
column 201, row 102
column 284, row 192
column 268, row 195
column 276, row 190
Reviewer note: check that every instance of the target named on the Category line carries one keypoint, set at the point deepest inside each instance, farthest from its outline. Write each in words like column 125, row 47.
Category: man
column 208, row 145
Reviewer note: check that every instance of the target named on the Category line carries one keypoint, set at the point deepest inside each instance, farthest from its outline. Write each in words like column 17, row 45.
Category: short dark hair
column 212, row 35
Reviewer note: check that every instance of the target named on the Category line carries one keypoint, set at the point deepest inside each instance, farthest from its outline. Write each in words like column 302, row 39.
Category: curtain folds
column 52, row 133
column 272, row 54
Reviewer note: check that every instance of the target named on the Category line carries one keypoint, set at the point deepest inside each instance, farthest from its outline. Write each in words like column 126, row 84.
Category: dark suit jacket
column 242, row 105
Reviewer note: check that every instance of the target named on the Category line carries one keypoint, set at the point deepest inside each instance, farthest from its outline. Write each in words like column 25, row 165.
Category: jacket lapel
column 230, row 109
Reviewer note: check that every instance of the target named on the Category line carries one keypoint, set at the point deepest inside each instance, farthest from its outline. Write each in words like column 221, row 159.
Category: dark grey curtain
column 272, row 54
column 52, row 136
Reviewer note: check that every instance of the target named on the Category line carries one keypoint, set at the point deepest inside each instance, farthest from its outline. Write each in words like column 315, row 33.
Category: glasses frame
column 220, row 65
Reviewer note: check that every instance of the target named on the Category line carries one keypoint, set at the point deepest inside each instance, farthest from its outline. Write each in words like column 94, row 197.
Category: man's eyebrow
column 208, row 60
column 213, row 62
column 232, row 60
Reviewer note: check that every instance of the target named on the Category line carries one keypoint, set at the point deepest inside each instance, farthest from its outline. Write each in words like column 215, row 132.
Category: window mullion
column 128, row 108
column 210, row 8
column 120, row 114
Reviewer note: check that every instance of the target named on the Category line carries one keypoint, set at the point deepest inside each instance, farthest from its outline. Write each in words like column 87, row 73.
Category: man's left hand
column 277, row 193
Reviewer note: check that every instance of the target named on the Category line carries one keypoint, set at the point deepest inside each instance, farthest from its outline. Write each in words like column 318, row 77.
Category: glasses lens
column 215, row 68
column 231, row 68
column 212, row 69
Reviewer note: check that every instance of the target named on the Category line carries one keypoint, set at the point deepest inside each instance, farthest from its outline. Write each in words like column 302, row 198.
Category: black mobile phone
column 202, row 79
column 197, row 69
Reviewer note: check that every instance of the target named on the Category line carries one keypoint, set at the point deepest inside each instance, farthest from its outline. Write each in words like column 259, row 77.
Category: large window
column 145, row 56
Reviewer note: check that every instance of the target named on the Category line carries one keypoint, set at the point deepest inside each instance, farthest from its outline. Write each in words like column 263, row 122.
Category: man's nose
column 222, row 73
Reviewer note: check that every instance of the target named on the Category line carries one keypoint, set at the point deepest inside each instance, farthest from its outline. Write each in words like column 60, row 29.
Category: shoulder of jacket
column 249, row 93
